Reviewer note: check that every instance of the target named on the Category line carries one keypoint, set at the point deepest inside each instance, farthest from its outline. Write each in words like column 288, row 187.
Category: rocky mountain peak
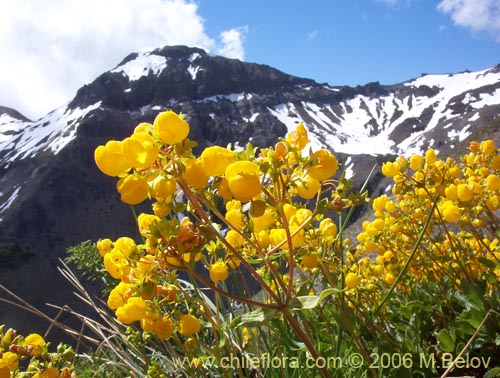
column 177, row 73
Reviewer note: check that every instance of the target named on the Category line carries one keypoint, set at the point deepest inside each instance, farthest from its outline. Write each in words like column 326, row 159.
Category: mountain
column 52, row 196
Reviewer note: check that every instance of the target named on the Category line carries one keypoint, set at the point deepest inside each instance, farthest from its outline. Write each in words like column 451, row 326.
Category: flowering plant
column 245, row 254
column 30, row 357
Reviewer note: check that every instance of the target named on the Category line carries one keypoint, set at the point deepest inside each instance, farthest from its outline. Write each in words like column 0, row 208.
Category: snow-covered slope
column 22, row 139
column 404, row 121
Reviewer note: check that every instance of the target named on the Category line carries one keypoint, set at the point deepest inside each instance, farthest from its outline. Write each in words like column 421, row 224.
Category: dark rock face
column 52, row 196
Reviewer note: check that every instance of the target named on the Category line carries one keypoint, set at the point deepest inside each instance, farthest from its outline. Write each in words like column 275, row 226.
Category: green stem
column 305, row 338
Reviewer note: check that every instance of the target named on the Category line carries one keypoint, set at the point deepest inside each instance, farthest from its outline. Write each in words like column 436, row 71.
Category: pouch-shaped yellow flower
column 139, row 150
column 194, row 174
column 132, row 311
column 308, row 187
column 215, row 160
column 218, row 271
column 170, row 127
column 325, row 165
column 134, row 189
column 188, row 325
column 244, row 180
column 110, row 159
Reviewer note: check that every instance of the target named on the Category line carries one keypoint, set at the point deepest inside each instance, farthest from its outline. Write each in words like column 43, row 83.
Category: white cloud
column 395, row 3
column 312, row 35
column 51, row 48
column 477, row 15
column 232, row 43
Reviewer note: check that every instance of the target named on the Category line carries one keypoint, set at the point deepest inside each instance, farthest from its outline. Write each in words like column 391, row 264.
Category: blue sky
column 52, row 48
column 354, row 42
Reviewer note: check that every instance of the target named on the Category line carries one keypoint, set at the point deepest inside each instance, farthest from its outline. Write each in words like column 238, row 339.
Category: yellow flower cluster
column 30, row 356
column 273, row 218
column 457, row 202
column 266, row 222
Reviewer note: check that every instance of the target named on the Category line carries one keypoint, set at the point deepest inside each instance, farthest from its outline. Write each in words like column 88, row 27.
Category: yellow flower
column 132, row 311
column 328, row 230
column 379, row 203
column 244, row 180
column 280, row 151
column 116, row 263
column 110, row 159
column 430, row 156
column 352, row 280
column 170, row 127
column 495, row 162
column 104, row 246
column 189, row 325
column 493, row 182
column 119, row 295
column 236, row 218
column 139, row 150
column 194, row 174
column 390, row 169
column 223, row 189
column 144, row 221
column 310, row 261
column 389, row 278
column 163, row 328
column 263, row 239
column 126, row 245
column 50, row 372
column 324, row 165
column 215, row 160
column 234, row 238
column 218, row 271
column 278, row 236
column 298, row 137
column 487, row 147
column 134, row 189
column 308, row 187
column 144, row 127
column 465, row 192
column 451, row 212
column 451, row 192
column 416, row 162
column 161, row 208
column 265, row 220
column 8, row 362
column 163, row 187
column 36, row 341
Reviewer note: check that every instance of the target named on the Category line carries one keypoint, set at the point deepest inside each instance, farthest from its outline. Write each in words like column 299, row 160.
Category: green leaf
column 308, row 302
column 446, row 340
column 257, row 208
column 493, row 373
column 255, row 318
column 488, row 263
column 474, row 294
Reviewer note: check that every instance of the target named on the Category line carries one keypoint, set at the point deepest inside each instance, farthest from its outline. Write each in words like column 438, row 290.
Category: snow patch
column 461, row 135
column 487, row 99
column 50, row 133
column 193, row 71
column 4, row 206
column 142, row 65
